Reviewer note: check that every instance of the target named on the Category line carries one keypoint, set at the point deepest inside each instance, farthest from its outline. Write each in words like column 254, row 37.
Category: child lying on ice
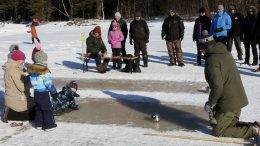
column 66, row 98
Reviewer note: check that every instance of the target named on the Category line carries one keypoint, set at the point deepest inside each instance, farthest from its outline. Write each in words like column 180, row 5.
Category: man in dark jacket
column 249, row 32
column 139, row 33
column 258, row 36
column 173, row 33
column 234, row 34
column 203, row 22
column 96, row 49
column 123, row 27
column 227, row 96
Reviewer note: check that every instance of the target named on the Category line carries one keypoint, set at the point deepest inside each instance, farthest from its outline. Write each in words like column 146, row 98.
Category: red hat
column 97, row 29
column 18, row 55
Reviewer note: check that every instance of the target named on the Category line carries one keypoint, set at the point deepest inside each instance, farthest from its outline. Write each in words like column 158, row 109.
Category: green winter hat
column 40, row 57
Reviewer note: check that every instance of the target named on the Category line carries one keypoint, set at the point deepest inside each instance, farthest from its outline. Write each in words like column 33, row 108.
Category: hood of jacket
column 37, row 69
column 10, row 63
column 217, row 48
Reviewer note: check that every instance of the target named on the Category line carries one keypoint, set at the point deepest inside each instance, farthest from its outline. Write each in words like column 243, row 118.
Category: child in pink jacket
column 115, row 37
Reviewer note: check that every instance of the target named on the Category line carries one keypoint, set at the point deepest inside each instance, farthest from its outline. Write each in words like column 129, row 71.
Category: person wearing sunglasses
column 221, row 23
column 249, row 28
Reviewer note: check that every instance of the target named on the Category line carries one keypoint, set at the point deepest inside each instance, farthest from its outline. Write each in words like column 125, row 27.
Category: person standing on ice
column 249, row 32
column 203, row 22
column 227, row 95
column 115, row 37
column 235, row 33
column 33, row 32
column 173, row 33
column 258, row 37
column 96, row 49
column 221, row 23
column 139, row 33
column 43, row 86
column 17, row 85
column 123, row 27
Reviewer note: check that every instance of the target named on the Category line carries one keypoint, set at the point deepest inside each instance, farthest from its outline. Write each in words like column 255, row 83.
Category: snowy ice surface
column 63, row 46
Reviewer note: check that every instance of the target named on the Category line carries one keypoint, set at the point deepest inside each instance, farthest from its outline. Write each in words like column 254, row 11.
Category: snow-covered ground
column 63, row 46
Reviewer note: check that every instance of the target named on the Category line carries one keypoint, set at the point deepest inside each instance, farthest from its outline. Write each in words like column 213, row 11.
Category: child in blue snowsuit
column 42, row 83
column 66, row 98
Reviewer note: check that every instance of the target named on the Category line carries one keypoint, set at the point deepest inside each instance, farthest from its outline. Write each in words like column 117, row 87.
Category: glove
column 181, row 38
column 208, row 107
column 163, row 37
column 147, row 41
column 131, row 42
column 55, row 95
column 218, row 29
column 113, row 42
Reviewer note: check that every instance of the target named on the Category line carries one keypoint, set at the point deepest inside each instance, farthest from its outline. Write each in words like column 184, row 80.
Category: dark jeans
column 198, row 54
column 97, row 58
column 237, row 41
column 254, row 51
column 140, row 46
column 43, row 110
column 123, row 51
column 221, row 39
column 36, row 39
column 116, row 52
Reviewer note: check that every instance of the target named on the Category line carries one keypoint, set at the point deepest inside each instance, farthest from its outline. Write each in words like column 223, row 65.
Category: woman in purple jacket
column 115, row 36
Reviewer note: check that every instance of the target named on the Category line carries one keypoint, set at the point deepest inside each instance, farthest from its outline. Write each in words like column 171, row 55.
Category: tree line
column 54, row 10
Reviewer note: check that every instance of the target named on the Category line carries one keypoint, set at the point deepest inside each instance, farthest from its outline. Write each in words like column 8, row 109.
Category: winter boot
column 181, row 65
column 145, row 60
column 101, row 69
column 119, row 64
column 137, row 64
column 254, row 63
column 6, row 111
column 114, row 65
column 105, row 64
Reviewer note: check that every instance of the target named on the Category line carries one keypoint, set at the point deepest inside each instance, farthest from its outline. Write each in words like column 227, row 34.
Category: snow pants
column 141, row 46
column 174, row 49
column 229, row 126
column 117, row 53
column 43, row 111
column 251, row 43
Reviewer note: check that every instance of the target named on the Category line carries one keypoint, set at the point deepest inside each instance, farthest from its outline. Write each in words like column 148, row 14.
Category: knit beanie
column 13, row 47
column 18, row 55
column 205, row 40
column 138, row 14
column 117, row 14
column 97, row 29
column 40, row 57
column 114, row 23
column 38, row 46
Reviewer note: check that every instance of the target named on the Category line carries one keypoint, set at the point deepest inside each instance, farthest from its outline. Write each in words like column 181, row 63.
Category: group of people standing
column 229, row 27
column 172, row 33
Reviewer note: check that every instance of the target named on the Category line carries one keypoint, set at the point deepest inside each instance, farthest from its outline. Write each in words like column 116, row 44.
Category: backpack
column 130, row 64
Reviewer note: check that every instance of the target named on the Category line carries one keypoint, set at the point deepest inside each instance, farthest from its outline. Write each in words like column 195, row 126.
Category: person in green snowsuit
column 227, row 96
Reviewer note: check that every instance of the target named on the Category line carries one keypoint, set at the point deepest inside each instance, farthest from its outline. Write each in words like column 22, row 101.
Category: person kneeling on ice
column 227, row 95
column 43, row 87
column 96, row 49
column 66, row 98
